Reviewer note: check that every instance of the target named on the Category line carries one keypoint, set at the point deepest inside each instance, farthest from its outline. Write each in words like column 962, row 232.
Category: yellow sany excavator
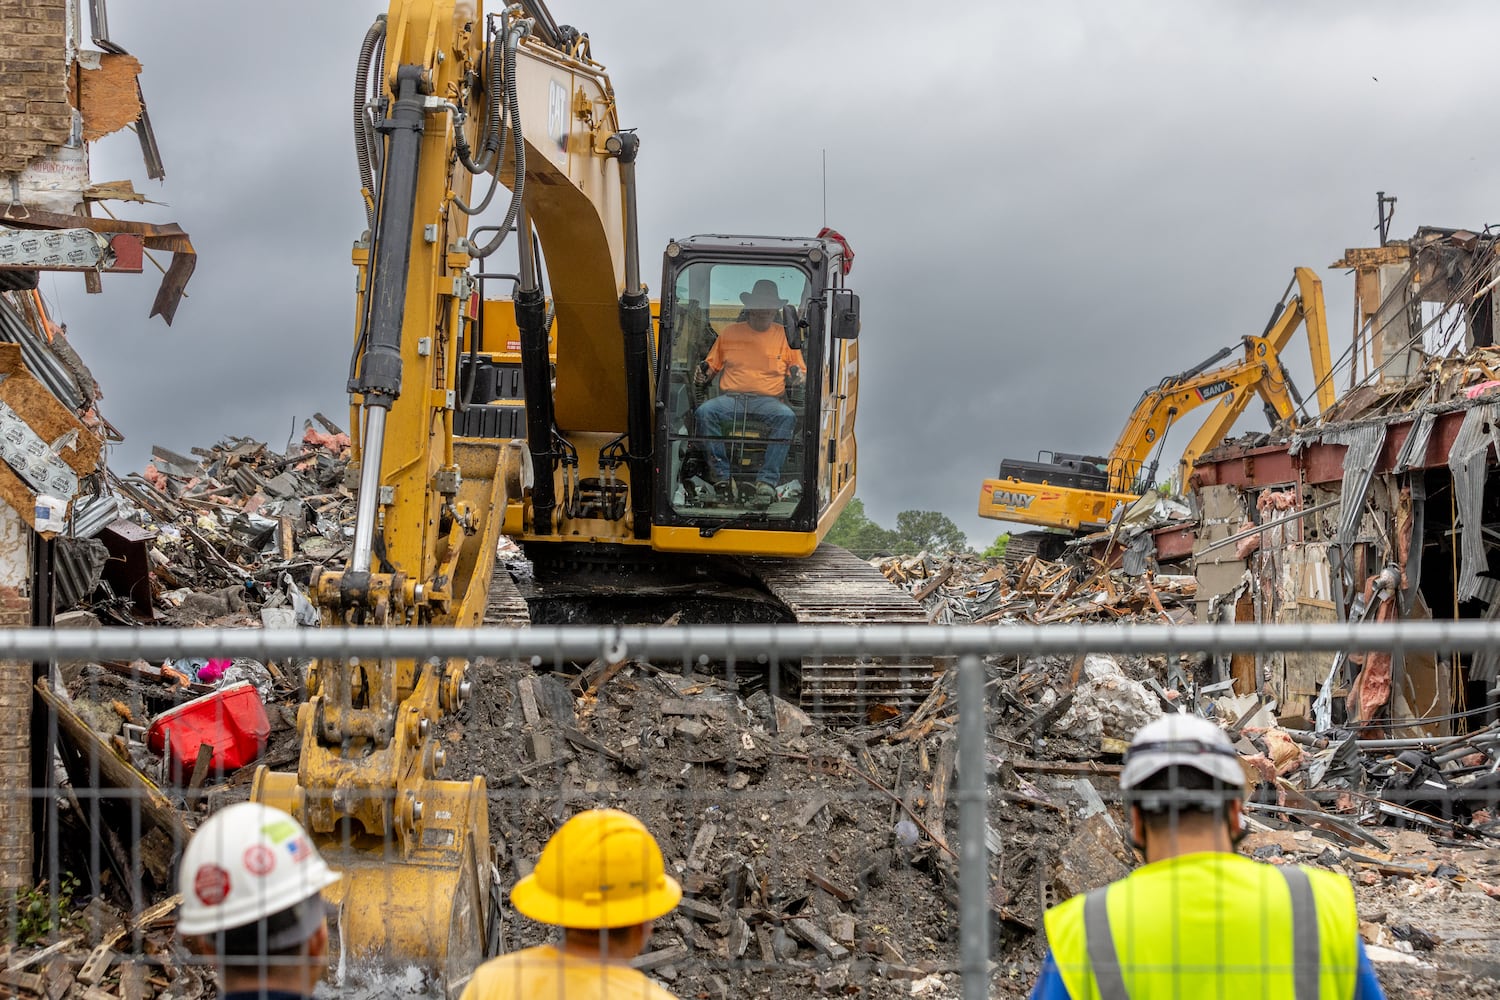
column 1073, row 494
column 558, row 415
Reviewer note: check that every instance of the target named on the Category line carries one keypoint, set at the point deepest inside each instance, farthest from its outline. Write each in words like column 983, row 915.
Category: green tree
column 929, row 530
column 997, row 547
column 856, row 532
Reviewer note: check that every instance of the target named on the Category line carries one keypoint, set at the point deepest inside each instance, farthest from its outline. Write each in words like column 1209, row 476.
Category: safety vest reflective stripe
column 1104, row 960
column 1305, row 945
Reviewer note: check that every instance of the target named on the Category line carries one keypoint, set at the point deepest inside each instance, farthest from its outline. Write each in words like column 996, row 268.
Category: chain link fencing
column 898, row 850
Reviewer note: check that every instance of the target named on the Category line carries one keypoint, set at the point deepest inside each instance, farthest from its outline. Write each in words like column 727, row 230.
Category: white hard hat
column 1181, row 741
column 248, row 862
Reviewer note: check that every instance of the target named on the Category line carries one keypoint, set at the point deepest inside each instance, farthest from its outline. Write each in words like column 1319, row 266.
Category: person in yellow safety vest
column 1199, row 920
column 602, row 880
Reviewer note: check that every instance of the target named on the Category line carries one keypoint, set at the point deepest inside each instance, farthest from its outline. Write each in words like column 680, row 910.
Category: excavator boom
column 1075, row 493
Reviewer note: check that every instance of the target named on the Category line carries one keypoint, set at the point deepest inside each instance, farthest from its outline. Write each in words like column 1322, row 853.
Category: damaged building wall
column 1337, row 530
column 1218, row 568
column 37, row 117
column 1393, row 495
column 15, row 707
column 55, row 98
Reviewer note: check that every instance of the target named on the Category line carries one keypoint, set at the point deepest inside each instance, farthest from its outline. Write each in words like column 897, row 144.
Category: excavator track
column 504, row 606
column 832, row 587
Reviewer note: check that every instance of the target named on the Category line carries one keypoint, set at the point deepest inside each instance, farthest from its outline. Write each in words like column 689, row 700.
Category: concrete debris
column 1108, row 703
column 838, row 861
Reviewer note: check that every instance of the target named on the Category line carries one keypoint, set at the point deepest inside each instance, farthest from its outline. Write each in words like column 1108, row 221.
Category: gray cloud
column 1053, row 205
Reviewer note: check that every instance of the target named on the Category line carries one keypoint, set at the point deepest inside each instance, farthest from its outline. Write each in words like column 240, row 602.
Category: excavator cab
column 740, row 445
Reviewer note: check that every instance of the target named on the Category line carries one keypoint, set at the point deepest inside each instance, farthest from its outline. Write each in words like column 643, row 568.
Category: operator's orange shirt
column 753, row 361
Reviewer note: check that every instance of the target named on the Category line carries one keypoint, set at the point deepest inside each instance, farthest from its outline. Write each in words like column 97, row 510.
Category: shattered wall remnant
column 1468, row 461
column 1419, row 299
column 1220, row 569
column 15, row 707
column 37, row 117
column 1397, row 354
column 108, row 94
column 47, row 447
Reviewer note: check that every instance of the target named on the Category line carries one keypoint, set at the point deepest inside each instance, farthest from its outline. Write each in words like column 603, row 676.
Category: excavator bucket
column 429, row 909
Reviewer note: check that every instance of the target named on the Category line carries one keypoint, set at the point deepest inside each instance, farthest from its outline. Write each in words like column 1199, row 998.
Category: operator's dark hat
column 763, row 296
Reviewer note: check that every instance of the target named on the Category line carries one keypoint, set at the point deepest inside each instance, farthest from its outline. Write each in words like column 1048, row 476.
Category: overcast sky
column 1053, row 204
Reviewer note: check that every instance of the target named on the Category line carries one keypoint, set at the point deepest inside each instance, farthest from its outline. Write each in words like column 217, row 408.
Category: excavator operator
column 758, row 366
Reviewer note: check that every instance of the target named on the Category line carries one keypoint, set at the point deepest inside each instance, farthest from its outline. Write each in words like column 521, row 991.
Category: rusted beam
column 1319, row 463
column 1245, row 468
column 1174, row 541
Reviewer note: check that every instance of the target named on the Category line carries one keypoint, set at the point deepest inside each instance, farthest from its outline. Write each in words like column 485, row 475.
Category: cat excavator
column 1071, row 494
column 562, row 414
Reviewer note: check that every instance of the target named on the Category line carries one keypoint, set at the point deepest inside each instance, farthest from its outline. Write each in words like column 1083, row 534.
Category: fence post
column 973, row 806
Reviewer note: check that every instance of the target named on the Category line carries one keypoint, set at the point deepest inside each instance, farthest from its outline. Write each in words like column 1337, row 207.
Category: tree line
column 915, row 531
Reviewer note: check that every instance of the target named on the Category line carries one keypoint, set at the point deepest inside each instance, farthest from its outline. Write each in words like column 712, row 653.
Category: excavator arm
column 1228, row 389
column 1067, row 497
column 453, row 109
column 1306, row 308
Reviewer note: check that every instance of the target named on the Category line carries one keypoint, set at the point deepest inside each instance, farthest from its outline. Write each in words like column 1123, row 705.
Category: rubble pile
column 964, row 588
column 221, row 539
column 824, row 860
column 814, row 859
column 818, row 859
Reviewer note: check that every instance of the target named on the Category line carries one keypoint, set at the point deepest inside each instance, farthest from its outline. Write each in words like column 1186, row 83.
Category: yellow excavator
column 560, row 415
column 1073, row 494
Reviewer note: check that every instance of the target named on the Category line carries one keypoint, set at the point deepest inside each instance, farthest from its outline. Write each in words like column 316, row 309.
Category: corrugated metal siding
column 38, row 357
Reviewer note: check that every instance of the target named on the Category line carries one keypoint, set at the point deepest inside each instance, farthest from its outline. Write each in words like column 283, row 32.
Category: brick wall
column 34, row 110
column 15, row 710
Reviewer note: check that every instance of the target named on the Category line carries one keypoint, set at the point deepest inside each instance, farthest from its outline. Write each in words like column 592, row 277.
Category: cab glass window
column 736, row 394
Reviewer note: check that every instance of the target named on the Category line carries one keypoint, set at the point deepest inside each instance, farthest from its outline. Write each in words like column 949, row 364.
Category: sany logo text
column 1002, row 498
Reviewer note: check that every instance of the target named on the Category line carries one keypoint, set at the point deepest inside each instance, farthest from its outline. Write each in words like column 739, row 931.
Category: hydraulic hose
column 377, row 149
column 366, row 149
column 492, row 128
column 362, row 141
column 513, row 36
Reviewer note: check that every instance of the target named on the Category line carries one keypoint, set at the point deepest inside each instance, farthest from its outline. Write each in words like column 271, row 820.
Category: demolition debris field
column 814, row 859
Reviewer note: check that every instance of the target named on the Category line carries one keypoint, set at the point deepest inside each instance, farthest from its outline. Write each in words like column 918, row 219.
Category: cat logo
column 557, row 114
column 1001, row 498
column 1214, row 389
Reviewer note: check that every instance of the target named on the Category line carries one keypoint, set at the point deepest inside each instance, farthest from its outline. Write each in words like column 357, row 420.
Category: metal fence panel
column 891, row 855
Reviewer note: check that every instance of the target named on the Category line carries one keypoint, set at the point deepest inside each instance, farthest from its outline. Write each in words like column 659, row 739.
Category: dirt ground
column 766, row 827
column 821, row 859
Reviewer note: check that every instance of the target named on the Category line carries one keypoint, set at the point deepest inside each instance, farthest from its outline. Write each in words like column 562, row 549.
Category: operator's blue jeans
column 724, row 411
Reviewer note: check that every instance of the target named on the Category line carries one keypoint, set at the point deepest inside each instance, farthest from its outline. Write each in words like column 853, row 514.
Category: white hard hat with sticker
column 245, row 863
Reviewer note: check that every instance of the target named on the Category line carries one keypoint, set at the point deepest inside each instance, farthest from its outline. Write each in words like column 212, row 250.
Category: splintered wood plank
column 108, row 97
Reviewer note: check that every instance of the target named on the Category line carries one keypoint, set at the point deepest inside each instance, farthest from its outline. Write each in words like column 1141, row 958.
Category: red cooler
column 232, row 720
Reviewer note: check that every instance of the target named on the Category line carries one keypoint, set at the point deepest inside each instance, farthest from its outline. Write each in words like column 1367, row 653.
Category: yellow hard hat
column 601, row 869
